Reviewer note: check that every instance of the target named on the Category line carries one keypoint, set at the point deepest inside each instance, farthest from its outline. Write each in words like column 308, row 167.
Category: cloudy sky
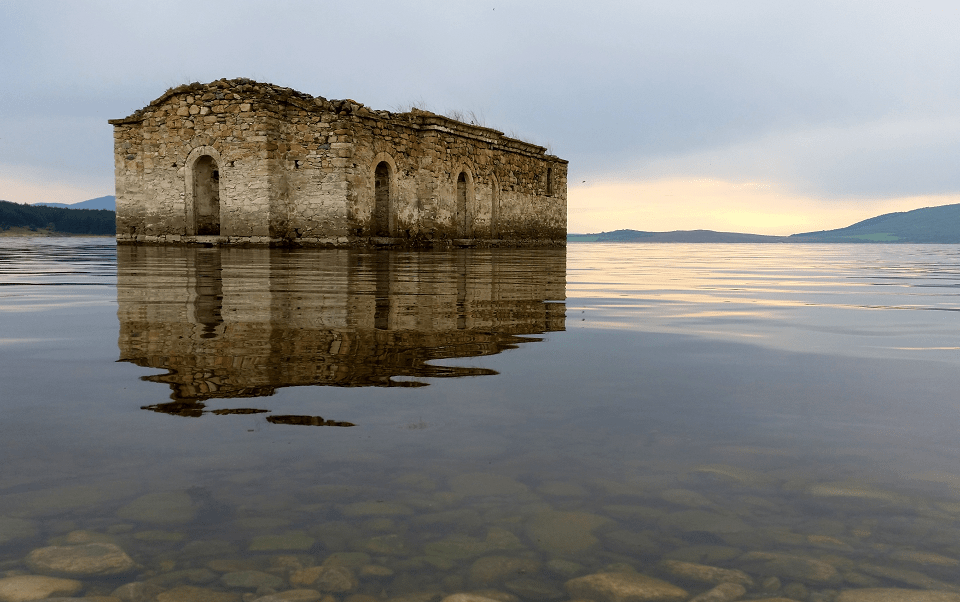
column 768, row 117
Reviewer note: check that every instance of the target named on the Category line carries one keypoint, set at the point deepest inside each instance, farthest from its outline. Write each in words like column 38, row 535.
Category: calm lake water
column 502, row 421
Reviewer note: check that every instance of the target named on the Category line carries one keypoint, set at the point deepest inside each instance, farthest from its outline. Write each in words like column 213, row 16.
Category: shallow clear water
column 484, row 419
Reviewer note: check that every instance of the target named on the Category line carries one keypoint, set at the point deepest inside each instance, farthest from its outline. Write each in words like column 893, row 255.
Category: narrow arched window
column 381, row 206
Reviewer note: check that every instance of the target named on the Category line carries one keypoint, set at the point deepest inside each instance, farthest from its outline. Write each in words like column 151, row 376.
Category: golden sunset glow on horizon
column 710, row 204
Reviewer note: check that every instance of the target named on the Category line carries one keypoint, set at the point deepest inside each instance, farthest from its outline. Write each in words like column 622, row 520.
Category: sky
column 770, row 117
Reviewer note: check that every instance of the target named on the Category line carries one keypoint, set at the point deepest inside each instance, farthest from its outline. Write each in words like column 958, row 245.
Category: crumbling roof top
column 244, row 88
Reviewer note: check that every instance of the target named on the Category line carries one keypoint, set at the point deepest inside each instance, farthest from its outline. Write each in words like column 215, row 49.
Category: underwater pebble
column 725, row 592
column 790, row 567
column 81, row 560
column 564, row 532
column 494, row 569
column 190, row 593
column 705, row 574
column 893, row 594
column 251, row 580
column 336, row 579
column 624, row 587
column 36, row 587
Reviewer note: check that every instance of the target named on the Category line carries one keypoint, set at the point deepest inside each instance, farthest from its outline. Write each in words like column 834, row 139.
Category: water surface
column 424, row 418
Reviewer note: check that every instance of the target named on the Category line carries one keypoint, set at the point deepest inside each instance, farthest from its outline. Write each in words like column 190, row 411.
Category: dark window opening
column 296, row 164
column 549, row 181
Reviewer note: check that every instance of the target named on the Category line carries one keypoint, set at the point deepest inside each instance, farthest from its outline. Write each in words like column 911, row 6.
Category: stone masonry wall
column 292, row 169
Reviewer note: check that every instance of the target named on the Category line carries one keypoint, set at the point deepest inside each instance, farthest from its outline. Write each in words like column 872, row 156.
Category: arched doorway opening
column 462, row 205
column 206, row 196
column 381, row 205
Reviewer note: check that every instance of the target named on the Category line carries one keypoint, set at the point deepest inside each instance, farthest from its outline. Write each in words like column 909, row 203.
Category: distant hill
column 675, row 236
column 102, row 202
column 56, row 220
column 927, row 225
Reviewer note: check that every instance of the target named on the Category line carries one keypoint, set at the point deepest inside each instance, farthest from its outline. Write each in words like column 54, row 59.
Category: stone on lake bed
column 292, row 595
column 190, row 593
column 701, row 520
column 292, row 540
column 564, row 532
column 458, row 547
column 533, row 589
column 251, row 580
column 331, row 578
column 725, row 592
column 162, row 507
column 624, row 587
column 787, row 566
column 704, row 573
column 928, row 558
column 87, row 559
column 894, row 594
column 490, row 570
column 36, row 587
column 466, row 597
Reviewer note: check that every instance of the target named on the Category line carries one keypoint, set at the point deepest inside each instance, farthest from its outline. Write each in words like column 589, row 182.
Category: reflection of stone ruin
column 229, row 323
column 237, row 161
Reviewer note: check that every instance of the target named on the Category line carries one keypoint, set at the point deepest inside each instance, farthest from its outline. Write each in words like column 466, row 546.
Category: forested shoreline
column 56, row 220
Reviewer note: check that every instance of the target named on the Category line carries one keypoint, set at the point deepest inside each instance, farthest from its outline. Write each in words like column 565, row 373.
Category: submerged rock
column 893, row 594
column 928, row 558
column 137, row 591
column 624, row 587
column 36, row 587
column 495, row 569
column 914, row 578
column 791, row 567
column 564, row 532
column 292, row 595
column 704, row 573
column 468, row 597
column 251, row 580
column 329, row 578
column 533, row 589
column 190, row 593
column 82, row 560
column 458, row 547
column 701, row 520
column 725, row 592
column 290, row 541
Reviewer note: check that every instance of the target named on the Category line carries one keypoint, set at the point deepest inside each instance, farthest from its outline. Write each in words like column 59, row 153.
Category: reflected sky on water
column 601, row 406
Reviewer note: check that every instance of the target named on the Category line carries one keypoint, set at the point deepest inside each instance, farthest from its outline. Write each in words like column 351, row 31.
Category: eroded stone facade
column 241, row 162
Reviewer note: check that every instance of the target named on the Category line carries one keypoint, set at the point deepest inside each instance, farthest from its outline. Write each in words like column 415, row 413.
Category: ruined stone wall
column 293, row 169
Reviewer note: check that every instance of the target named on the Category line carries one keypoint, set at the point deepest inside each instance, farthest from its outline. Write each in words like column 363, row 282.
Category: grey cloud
column 619, row 88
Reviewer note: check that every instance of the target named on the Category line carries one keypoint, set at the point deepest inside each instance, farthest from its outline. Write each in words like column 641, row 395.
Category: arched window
column 462, row 230
column 381, row 205
column 206, row 196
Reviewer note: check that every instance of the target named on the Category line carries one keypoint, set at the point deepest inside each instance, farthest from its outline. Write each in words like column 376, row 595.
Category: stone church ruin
column 242, row 162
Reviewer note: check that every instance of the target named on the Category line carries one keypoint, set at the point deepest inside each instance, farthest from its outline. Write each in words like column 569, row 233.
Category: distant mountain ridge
column 936, row 225
column 101, row 202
